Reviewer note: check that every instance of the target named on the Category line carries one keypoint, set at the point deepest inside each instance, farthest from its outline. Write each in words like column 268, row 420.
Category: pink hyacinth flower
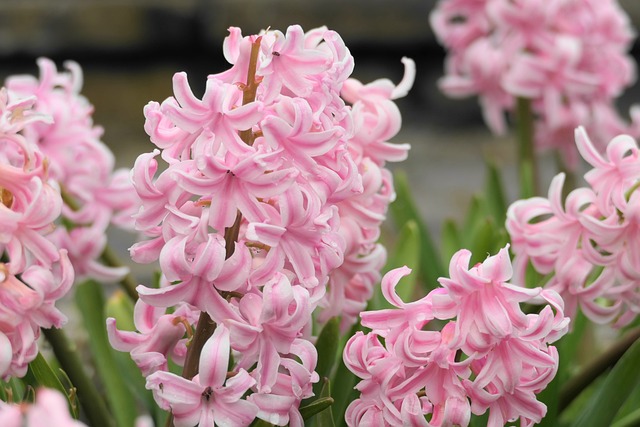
column 611, row 174
column 210, row 398
column 486, row 306
column 159, row 336
column 50, row 408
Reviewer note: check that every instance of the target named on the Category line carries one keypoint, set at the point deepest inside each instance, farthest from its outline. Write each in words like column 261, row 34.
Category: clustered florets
column 33, row 273
column 50, row 408
column 588, row 246
column 82, row 165
column 570, row 58
column 269, row 208
column 488, row 356
column 266, row 220
column 48, row 145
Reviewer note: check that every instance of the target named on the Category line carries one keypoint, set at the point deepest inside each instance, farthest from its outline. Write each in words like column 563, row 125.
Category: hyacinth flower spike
column 211, row 397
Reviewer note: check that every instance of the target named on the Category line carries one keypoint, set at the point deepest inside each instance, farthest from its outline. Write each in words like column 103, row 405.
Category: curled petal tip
column 402, row 89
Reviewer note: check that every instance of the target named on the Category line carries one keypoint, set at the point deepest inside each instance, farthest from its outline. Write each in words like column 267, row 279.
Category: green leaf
column 475, row 214
column 631, row 420
column 40, row 374
column 6, row 391
column 403, row 210
column 569, row 414
column 160, row 417
column 623, row 378
column 568, row 347
column 527, row 185
column 549, row 396
column 343, row 383
column 450, row 239
column 136, row 382
column 406, row 252
column 327, row 346
column 315, row 407
column 30, row 395
column 90, row 301
column 120, row 307
column 479, row 420
column 495, row 194
column 630, row 407
column 481, row 242
column 18, row 389
column 325, row 418
column 156, row 278
column 532, row 278
column 261, row 423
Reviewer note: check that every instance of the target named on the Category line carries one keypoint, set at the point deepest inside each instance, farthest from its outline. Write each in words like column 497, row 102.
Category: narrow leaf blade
column 623, row 378
column 40, row 374
column 450, row 239
column 407, row 252
column 404, row 209
column 315, row 407
column 327, row 346
column 343, row 382
column 495, row 194
column 325, row 418
column 90, row 301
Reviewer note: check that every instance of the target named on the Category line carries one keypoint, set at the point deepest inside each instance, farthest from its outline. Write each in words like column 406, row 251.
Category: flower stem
column 92, row 402
column 250, row 89
column 204, row 330
column 128, row 282
column 527, row 162
column 593, row 370
column 108, row 256
column 206, row 326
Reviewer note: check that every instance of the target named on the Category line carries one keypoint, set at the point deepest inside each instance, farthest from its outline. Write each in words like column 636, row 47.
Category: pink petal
column 214, row 359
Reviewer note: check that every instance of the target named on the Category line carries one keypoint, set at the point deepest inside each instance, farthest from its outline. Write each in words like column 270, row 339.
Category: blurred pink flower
column 570, row 58
column 50, row 408
column 587, row 245
column 78, row 161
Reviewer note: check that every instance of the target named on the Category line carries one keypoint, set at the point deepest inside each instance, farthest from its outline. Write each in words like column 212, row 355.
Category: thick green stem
column 88, row 395
column 527, row 161
column 593, row 370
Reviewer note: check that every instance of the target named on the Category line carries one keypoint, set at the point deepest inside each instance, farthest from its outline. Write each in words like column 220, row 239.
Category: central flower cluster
column 269, row 208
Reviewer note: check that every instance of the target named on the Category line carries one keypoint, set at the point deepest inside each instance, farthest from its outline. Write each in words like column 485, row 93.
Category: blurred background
column 130, row 49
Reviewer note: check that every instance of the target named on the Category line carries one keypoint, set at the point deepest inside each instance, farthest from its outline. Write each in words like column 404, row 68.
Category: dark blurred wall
column 43, row 27
column 130, row 49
